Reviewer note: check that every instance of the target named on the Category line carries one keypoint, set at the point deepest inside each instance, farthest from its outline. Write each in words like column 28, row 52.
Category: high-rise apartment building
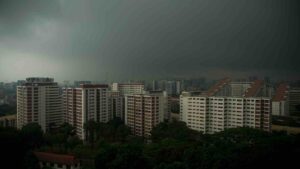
column 115, row 105
column 89, row 102
column 39, row 101
column 144, row 111
column 211, row 112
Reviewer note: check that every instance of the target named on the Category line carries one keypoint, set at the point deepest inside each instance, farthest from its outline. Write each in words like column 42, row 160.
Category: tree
column 175, row 130
column 32, row 135
column 91, row 128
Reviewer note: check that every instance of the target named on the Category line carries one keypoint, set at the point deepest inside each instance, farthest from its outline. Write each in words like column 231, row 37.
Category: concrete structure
column 294, row 102
column 239, row 88
column 280, row 102
column 115, row 105
column 155, row 85
column 171, row 88
column 144, row 111
column 39, row 101
column 212, row 112
column 129, row 88
column 81, row 82
column 288, row 129
column 8, row 121
column 57, row 161
column 88, row 102
column 178, row 87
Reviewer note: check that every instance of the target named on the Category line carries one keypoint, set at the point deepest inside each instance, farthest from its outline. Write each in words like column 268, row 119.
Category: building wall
column 39, row 102
column 59, row 166
column 115, row 105
column 84, row 104
column 125, row 89
column 294, row 101
column 143, row 112
column 8, row 121
column 214, row 114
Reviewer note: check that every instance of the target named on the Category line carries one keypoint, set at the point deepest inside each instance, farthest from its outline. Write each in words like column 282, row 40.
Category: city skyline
column 101, row 40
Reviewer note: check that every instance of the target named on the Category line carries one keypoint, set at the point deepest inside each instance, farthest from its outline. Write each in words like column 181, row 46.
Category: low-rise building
column 57, row 161
column 8, row 121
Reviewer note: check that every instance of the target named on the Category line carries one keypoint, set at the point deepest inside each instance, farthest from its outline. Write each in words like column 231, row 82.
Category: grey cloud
column 151, row 39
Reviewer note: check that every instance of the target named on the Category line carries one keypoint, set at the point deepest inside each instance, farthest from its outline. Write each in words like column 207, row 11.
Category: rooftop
column 56, row 158
column 281, row 92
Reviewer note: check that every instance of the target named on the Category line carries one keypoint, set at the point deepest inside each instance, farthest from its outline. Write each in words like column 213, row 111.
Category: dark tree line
column 172, row 146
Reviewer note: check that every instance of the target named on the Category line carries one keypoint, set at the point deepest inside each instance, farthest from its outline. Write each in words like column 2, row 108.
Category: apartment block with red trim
column 39, row 101
column 227, row 105
column 85, row 103
column 145, row 111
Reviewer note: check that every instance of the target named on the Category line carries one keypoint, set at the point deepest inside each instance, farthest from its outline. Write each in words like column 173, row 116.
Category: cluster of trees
column 174, row 146
column 7, row 109
column 171, row 146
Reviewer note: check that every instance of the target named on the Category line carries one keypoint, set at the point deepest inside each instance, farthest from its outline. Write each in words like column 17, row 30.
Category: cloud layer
column 117, row 39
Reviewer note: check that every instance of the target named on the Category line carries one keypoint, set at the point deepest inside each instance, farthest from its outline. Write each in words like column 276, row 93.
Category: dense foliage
column 7, row 109
column 172, row 146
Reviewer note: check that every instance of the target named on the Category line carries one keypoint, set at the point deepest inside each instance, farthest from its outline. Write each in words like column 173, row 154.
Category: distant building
column 57, row 161
column 171, row 88
column 294, row 102
column 239, row 88
column 78, row 83
column 88, row 102
column 39, row 101
column 8, row 121
column 155, row 85
column 144, row 111
column 128, row 88
column 215, row 110
column 178, row 87
column 280, row 102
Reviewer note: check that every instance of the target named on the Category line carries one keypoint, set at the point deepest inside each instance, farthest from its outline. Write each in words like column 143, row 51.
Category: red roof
column 254, row 88
column 281, row 92
column 217, row 87
column 56, row 158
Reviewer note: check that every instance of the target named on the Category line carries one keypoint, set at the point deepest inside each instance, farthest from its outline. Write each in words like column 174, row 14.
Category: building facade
column 216, row 113
column 227, row 104
column 57, row 161
column 115, row 105
column 128, row 88
column 88, row 102
column 294, row 101
column 143, row 112
column 280, row 101
column 8, row 121
column 39, row 101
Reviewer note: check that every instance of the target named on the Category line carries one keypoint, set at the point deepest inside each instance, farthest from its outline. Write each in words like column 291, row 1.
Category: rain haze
column 148, row 39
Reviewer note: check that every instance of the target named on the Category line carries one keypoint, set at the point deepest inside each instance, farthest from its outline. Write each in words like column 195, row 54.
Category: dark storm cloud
column 16, row 16
column 150, row 39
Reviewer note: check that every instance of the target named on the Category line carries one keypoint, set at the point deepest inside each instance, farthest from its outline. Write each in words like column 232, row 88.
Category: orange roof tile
column 217, row 87
column 281, row 92
column 254, row 88
column 56, row 158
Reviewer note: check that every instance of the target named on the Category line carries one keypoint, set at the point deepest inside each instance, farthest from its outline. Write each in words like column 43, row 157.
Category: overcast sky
column 148, row 39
